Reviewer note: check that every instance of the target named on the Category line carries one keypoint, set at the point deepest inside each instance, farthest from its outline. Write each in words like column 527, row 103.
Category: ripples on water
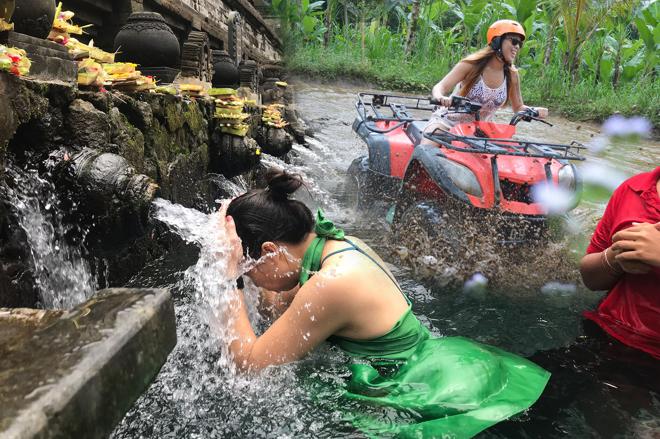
column 198, row 395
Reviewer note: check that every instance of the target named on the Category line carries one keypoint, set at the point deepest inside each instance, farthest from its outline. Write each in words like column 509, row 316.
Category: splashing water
column 63, row 277
column 199, row 388
column 231, row 186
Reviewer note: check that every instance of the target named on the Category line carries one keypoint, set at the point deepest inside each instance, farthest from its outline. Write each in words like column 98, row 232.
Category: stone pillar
column 137, row 6
column 235, row 37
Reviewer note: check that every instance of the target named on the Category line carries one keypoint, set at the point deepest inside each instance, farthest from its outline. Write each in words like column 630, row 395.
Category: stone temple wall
column 108, row 155
column 259, row 43
column 260, row 40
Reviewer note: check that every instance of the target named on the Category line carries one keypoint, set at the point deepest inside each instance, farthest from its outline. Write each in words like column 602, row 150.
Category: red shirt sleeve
column 602, row 237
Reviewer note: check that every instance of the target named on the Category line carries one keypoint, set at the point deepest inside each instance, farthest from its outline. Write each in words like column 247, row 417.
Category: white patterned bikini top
column 491, row 100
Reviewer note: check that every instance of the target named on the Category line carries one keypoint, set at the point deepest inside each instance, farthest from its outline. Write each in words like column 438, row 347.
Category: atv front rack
column 370, row 107
column 513, row 147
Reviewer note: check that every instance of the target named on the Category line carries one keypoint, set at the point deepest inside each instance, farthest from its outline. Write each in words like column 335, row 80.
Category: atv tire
column 355, row 183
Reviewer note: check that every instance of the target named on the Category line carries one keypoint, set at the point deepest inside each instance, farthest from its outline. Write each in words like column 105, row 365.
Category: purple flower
column 598, row 144
column 556, row 200
column 476, row 284
column 619, row 126
column 602, row 176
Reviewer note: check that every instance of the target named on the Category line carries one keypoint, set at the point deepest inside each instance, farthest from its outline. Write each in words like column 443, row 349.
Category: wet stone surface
column 75, row 373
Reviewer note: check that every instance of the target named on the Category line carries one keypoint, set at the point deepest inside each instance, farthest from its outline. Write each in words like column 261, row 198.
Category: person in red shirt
column 624, row 258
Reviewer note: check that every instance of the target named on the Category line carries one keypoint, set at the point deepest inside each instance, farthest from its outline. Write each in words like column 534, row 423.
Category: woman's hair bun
column 281, row 184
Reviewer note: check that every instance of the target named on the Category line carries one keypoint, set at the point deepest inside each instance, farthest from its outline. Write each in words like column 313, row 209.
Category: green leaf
column 606, row 68
column 525, row 9
column 651, row 14
column 309, row 24
column 611, row 43
column 646, row 32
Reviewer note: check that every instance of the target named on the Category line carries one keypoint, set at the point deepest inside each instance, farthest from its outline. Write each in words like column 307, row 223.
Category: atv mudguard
column 425, row 168
column 378, row 146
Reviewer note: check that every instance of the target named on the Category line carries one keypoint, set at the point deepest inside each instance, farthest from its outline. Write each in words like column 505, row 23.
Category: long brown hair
column 479, row 60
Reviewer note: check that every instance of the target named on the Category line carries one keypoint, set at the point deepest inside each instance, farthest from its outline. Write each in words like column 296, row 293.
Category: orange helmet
column 501, row 27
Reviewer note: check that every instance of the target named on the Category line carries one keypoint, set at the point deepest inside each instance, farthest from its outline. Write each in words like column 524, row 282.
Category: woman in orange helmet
column 487, row 76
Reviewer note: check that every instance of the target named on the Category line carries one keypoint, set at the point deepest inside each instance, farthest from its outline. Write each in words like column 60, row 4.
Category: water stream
column 63, row 277
column 197, row 394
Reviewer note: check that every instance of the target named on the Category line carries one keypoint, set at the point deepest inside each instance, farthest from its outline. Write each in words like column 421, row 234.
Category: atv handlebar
column 369, row 110
column 460, row 104
column 528, row 115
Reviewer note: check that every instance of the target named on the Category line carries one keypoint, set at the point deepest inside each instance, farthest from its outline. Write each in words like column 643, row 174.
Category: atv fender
column 426, row 157
column 378, row 146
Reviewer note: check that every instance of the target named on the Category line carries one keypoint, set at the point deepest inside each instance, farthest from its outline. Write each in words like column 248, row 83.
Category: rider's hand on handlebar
column 442, row 100
column 542, row 112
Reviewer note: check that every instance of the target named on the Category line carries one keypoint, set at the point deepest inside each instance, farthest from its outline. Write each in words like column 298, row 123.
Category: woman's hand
column 639, row 244
column 228, row 230
column 445, row 101
column 273, row 303
column 543, row 112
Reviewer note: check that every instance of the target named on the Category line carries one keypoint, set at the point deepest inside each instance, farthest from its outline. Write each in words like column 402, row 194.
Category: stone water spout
column 108, row 178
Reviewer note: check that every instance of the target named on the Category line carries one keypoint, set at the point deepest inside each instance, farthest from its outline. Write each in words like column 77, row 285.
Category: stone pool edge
column 114, row 371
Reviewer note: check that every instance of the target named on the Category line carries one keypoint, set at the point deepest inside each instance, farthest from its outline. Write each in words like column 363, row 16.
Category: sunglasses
column 515, row 41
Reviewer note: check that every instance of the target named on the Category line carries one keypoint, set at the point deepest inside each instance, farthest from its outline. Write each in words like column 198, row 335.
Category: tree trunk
column 573, row 67
column 328, row 22
column 549, row 45
column 412, row 30
column 345, row 15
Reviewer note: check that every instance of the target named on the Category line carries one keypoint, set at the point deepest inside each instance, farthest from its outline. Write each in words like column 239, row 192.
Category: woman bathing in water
column 487, row 77
column 330, row 287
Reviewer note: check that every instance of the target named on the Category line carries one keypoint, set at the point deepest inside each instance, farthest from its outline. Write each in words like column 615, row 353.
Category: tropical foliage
column 589, row 57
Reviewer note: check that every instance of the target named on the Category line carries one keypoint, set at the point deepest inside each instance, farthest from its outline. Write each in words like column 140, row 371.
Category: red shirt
column 631, row 310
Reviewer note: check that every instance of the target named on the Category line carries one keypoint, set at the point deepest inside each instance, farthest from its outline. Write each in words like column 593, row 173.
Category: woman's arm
column 443, row 89
column 600, row 271
column 312, row 317
column 635, row 250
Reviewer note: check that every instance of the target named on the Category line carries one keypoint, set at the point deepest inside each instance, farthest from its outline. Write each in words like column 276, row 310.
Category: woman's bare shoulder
column 463, row 67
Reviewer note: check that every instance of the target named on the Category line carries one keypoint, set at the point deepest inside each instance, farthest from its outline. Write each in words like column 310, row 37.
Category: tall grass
column 386, row 66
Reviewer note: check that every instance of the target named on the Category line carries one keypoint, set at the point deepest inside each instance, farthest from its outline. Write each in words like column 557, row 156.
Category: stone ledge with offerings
column 229, row 113
column 14, row 61
column 272, row 116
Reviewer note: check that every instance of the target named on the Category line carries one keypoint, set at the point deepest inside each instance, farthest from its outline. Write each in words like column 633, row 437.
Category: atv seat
column 415, row 130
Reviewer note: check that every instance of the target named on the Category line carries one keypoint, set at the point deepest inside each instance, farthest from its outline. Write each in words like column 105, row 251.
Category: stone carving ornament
column 147, row 40
column 34, row 17
column 235, row 37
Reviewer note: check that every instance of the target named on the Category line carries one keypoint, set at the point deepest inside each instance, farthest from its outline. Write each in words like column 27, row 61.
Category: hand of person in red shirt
column 639, row 244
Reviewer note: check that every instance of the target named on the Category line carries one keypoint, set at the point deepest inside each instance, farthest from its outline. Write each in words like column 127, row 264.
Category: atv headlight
column 566, row 177
column 462, row 177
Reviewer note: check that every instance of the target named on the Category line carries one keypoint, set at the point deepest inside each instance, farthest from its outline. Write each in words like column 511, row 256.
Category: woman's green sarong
column 448, row 387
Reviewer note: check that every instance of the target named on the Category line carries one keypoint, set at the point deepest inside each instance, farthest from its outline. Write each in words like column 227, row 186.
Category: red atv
column 474, row 174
